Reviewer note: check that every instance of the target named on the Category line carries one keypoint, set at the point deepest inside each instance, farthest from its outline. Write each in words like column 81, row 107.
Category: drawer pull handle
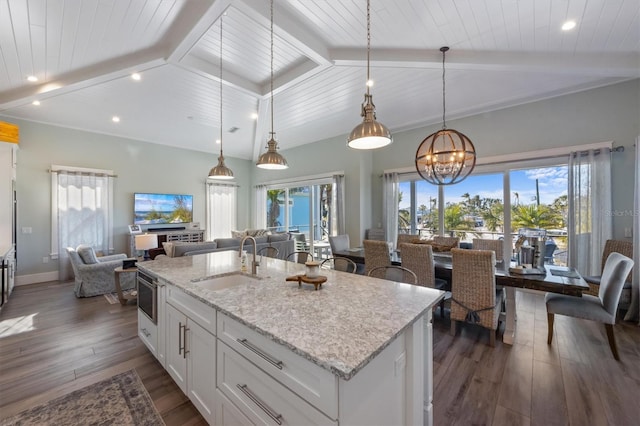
column 275, row 416
column 254, row 349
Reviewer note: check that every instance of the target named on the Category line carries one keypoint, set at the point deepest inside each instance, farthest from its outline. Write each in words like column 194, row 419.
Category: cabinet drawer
column 199, row 312
column 148, row 333
column 227, row 414
column 261, row 398
column 313, row 383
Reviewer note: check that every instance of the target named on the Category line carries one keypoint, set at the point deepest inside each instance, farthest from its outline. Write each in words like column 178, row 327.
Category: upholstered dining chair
column 300, row 256
column 485, row 244
column 474, row 298
column 419, row 259
column 340, row 264
column 394, row 273
column 625, row 248
column 601, row 308
column 446, row 241
column 339, row 242
column 268, row 251
column 376, row 253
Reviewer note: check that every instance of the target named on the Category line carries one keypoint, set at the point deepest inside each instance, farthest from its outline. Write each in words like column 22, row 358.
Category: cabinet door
column 162, row 334
column 176, row 361
column 201, row 370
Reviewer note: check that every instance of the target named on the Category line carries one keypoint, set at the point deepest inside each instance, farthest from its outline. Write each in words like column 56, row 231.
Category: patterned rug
column 120, row 400
column 112, row 298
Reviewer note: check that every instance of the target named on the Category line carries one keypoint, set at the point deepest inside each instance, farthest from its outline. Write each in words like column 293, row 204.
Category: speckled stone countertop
column 340, row 327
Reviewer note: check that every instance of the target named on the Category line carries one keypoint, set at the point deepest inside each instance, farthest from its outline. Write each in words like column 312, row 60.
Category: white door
column 201, row 370
column 176, row 361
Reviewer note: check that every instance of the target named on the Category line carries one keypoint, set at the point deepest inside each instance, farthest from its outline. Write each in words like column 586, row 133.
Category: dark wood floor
column 52, row 343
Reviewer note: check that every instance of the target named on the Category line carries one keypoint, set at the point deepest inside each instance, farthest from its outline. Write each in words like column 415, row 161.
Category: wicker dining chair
column 406, row 238
column 376, row 253
column 446, row 241
column 419, row 259
column 268, row 251
column 340, row 264
column 394, row 273
column 473, row 290
column 485, row 244
column 300, row 256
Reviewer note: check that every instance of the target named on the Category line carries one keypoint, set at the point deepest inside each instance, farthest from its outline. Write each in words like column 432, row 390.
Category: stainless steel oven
column 148, row 296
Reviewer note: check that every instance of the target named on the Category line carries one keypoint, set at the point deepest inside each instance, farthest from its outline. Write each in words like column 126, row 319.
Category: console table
column 185, row 235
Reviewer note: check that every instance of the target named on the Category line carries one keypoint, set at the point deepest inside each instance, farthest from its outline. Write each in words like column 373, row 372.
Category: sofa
column 94, row 275
column 282, row 242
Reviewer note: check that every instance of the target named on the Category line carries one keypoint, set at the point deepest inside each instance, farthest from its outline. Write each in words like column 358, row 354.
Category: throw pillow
column 168, row 248
column 238, row 234
column 87, row 254
column 258, row 232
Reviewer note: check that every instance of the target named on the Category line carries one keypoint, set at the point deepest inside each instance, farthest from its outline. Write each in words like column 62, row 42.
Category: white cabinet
column 153, row 335
column 186, row 235
column 190, row 350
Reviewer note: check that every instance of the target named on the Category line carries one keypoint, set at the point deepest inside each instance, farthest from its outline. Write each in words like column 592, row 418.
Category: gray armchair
column 94, row 275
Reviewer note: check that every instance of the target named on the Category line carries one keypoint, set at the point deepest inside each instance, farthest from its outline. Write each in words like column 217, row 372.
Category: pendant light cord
column 444, row 122
column 221, row 86
column 272, row 132
column 368, row 43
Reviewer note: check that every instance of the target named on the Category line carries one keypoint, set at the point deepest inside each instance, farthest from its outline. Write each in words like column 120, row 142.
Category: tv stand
column 169, row 234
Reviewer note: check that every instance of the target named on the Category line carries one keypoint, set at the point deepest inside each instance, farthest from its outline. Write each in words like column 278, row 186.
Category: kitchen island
column 261, row 349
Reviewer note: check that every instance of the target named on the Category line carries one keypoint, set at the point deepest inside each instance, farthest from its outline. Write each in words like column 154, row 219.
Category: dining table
column 554, row 279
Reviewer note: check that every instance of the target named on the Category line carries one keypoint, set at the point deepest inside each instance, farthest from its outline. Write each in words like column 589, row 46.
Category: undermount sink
column 226, row 280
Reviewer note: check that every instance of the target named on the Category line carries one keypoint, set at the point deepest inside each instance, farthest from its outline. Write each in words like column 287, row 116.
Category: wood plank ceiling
column 503, row 53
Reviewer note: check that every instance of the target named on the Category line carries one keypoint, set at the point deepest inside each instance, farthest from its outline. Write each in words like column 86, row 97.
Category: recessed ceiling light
column 32, row 78
column 36, row 102
column 369, row 83
column 254, row 116
column 569, row 25
column 136, row 76
column 115, row 119
column 218, row 141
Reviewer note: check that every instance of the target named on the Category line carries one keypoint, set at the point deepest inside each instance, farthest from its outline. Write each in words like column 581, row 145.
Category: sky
column 552, row 183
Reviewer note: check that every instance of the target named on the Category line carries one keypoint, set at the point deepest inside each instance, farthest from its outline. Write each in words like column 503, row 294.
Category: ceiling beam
column 207, row 69
column 82, row 78
column 601, row 64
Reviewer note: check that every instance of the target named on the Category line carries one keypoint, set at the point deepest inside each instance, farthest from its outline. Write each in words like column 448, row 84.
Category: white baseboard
column 42, row 277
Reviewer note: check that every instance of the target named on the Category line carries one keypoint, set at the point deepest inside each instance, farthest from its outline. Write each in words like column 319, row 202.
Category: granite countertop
column 340, row 327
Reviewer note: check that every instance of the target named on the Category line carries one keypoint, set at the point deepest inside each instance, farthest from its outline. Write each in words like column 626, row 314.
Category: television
column 156, row 209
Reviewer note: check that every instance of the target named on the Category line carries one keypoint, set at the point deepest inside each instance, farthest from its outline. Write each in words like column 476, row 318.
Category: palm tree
column 534, row 216
column 455, row 222
column 422, row 210
column 273, row 205
column 493, row 216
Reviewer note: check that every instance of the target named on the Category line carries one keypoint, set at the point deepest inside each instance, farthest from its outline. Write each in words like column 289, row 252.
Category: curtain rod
column 82, row 173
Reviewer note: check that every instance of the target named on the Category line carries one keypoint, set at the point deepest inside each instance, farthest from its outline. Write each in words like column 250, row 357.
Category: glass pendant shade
column 370, row 134
column 271, row 159
column 445, row 157
column 221, row 171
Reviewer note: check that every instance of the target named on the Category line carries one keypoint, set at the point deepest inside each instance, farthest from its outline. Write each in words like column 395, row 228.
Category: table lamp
column 146, row 242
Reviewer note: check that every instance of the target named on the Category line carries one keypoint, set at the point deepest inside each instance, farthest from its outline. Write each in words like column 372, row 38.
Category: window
column 221, row 202
column 81, row 212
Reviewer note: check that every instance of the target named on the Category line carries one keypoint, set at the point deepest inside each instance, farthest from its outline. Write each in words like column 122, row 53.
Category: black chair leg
column 550, row 328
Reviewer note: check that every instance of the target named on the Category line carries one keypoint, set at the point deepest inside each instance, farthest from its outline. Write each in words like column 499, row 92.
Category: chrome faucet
column 254, row 264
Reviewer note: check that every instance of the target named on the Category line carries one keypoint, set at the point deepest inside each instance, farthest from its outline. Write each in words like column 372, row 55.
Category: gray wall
column 603, row 114
column 140, row 166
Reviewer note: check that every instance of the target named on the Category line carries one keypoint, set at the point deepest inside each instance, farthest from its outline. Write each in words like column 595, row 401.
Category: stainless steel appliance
column 148, row 296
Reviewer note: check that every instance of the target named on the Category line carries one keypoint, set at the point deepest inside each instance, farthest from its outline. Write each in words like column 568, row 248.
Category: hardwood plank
column 515, row 392
column 449, row 396
column 506, row 417
column 548, row 406
column 584, row 405
column 479, row 403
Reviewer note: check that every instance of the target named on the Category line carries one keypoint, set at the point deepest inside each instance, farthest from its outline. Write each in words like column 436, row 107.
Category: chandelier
column 447, row 156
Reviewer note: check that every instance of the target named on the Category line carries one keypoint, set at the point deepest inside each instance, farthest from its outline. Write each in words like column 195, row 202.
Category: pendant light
column 369, row 134
column 221, row 171
column 272, row 159
column 447, row 156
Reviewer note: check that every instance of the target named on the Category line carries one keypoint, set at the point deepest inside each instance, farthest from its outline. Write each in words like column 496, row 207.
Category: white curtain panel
column 84, row 215
column 222, row 201
column 338, row 226
column 589, row 222
column 390, row 213
column 260, row 210
column 633, row 313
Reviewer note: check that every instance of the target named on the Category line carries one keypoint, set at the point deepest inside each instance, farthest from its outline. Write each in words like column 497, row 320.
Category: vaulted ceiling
column 503, row 53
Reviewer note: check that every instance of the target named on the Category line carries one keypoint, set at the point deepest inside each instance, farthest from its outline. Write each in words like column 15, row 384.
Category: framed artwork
column 135, row 229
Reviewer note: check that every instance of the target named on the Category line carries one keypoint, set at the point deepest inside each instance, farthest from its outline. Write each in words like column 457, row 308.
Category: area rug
column 120, row 400
column 112, row 298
